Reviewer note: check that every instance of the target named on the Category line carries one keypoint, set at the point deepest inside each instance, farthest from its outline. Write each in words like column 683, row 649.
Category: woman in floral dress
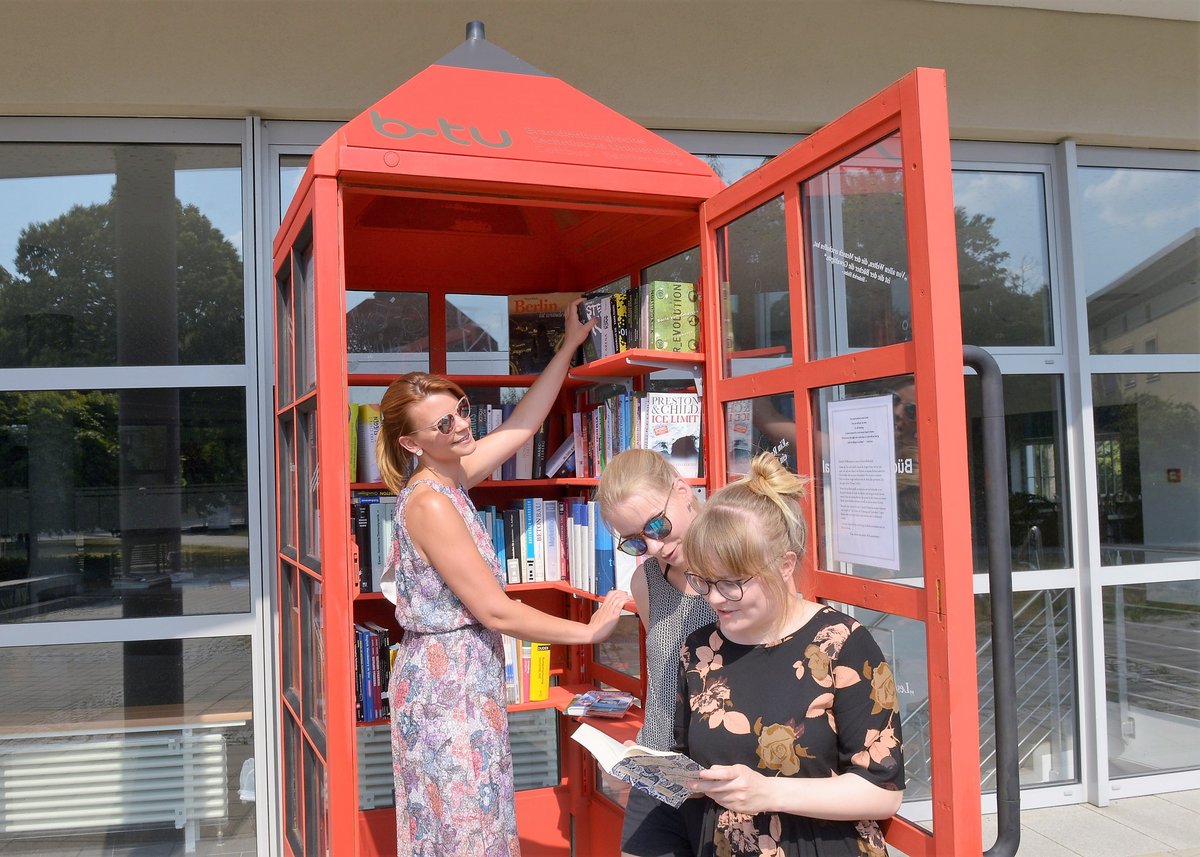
column 788, row 703
column 450, row 743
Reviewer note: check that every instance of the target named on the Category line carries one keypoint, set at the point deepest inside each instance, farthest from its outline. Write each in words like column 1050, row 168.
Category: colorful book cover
column 671, row 426
column 675, row 314
column 535, row 330
column 539, row 671
column 370, row 420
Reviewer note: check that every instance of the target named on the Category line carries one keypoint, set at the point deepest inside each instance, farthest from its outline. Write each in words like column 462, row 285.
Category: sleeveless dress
column 450, row 744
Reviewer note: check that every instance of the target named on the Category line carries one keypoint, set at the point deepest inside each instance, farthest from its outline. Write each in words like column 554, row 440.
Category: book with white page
column 659, row 773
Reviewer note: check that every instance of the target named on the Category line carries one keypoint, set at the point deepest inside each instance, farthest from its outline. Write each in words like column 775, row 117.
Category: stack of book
column 661, row 315
column 600, row 703
column 526, row 670
column 374, row 654
column 666, row 422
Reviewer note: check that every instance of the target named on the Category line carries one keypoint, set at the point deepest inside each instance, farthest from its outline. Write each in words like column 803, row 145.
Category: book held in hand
column 600, row 703
column 659, row 773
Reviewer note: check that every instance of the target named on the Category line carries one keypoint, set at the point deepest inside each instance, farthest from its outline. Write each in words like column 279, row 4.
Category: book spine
column 370, row 420
column 539, row 671
column 513, row 537
column 551, row 560
column 531, row 541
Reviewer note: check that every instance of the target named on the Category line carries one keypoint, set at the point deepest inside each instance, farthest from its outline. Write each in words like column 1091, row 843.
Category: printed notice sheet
column 862, row 455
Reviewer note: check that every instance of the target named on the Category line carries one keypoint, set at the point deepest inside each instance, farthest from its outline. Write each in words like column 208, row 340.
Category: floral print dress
column 450, row 745
column 820, row 701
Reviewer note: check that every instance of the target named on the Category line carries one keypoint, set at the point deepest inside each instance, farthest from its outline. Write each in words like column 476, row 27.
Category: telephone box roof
column 480, row 113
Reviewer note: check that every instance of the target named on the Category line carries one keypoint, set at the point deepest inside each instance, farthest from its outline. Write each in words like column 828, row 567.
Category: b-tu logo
column 399, row 129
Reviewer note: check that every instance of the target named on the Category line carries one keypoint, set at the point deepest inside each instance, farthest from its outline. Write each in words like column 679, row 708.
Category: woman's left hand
column 736, row 787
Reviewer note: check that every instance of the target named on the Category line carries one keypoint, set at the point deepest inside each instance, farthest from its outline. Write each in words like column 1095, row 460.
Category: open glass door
column 836, row 343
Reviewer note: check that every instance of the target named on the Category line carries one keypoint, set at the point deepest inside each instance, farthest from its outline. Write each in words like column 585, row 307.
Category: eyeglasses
column 446, row 424
column 731, row 590
column 657, row 528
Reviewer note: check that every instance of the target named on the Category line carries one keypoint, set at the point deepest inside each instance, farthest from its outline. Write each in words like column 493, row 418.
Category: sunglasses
column 445, row 425
column 731, row 590
column 657, row 528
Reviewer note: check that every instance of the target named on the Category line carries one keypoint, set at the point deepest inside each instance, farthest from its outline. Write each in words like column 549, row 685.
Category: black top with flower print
column 820, row 701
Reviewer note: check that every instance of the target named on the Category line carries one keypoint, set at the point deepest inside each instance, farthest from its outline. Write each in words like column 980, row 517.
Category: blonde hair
column 633, row 473
column 748, row 525
column 396, row 463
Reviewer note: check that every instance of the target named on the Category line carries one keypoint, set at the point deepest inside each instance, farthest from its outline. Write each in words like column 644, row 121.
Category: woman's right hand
column 604, row 619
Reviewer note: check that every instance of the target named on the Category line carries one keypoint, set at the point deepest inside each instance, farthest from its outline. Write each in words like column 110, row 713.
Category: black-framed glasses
column 731, row 590
column 445, row 425
column 657, row 528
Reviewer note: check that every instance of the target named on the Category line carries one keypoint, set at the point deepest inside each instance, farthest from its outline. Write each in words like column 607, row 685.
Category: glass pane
column 120, row 255
column 304, row 298
column 681, row 268
column 1151, row 636
column 761, row 424
column 752, row 265
column 622, row 651
column 902, row 641
column 316, row 805
column 285, row 496
column 1140, row 245
column 867, row 484
column 1003, row 258
column 289, row 630
column 123, row 504
column 1038, row 501
column 291, row 170
column 308, row 477
column 285, row 335
column 730, row 168
column 856, row 253
column 312, row 663
column 388, row 332
column 292, row 796
column 533, row 736
column 140, row 746
column 1047, row 713
column 1148, row 493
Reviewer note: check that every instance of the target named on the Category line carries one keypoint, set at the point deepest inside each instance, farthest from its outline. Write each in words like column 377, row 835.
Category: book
column 738, row 429
column 601, row 341
column 675, row 316
column 670, row 424
column 353, row 434
column 513, row 538
column 538, row 687
column 659, row 773
column 370, row 420
column 563, row 458
column 600, row 703
column 535, row 330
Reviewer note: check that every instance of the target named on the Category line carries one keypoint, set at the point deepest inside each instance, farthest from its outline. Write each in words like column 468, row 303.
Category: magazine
column 600, row 703
column 659, row 773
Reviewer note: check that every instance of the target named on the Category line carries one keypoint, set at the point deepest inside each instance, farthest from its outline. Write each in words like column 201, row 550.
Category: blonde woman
column 788, row 703
column 650, row 507
column 450, row 742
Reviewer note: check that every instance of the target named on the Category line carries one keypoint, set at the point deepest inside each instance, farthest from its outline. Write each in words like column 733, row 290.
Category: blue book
column 606, row 571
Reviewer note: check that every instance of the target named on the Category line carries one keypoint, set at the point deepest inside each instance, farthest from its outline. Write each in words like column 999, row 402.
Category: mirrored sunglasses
column 445, row 425
column 657, row 528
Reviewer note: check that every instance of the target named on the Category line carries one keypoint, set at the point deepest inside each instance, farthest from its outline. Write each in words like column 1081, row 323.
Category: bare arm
column 847, row 797
column 442, row 539
column 498, row 446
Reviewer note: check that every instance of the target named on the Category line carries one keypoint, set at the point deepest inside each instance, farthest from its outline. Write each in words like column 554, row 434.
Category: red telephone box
column 828, row 275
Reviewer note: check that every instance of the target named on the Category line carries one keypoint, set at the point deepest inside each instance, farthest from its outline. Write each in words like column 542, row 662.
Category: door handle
column 1004, row 679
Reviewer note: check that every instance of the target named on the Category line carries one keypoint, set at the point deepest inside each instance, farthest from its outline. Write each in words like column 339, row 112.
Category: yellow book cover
column 539, row 671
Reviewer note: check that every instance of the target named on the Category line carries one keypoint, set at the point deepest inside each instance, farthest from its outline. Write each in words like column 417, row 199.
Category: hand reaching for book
column 604, row 619
column 576, row 331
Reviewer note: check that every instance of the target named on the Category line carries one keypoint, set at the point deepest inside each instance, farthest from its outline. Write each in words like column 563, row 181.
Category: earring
column 418, row 452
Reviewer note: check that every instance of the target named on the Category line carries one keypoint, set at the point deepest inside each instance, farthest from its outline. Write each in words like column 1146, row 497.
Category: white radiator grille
column 64, row 783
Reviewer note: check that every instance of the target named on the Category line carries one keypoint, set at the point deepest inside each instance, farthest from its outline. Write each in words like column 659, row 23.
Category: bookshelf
column 395, row 251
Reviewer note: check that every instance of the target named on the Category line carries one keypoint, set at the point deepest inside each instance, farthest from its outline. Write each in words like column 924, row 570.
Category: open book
column 659, row 773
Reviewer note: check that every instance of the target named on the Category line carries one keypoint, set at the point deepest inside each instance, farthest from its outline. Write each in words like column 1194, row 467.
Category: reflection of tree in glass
column 60, row 308
column 1001, row 306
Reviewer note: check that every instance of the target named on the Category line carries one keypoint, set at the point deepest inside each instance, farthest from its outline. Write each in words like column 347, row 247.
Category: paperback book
column 600, row 703
column 670, row 424
column 659, row 773
column 535, row 330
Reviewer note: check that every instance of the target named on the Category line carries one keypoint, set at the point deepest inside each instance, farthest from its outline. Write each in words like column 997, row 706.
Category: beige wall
column 760, row 65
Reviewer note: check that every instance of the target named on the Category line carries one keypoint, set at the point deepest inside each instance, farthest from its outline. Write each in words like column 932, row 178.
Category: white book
column 539, row 540
column 370, row 420
column 671, row 426
column 659, row 773
column 524, row 460
column 589, row 546
column 625, row 566
column 382, row 526
column 550, row 541
column 494, row 417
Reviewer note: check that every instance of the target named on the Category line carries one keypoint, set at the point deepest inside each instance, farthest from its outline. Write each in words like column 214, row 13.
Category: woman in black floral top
column 788, row 703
